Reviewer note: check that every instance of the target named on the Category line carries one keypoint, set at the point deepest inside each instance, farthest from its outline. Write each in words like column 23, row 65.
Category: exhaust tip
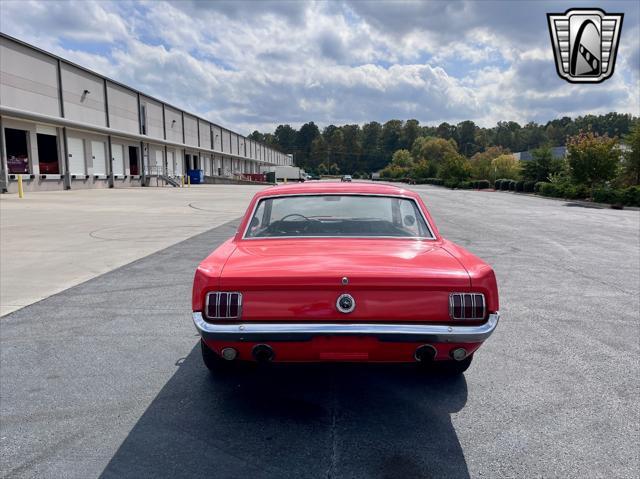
column 458, row 354
column 425, row 353
column 229, row 354
column 262, row 353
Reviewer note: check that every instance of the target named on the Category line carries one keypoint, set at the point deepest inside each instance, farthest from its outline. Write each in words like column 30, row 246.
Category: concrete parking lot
column 104, row 379
column 53, row 240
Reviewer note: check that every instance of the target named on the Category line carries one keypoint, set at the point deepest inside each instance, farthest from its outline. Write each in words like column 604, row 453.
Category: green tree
column 465, row 137
column 402, row 158
column 506, row 166
column 307, row 133
column 285, row 138
column 410, row 131
column 318, row 154
column 334, row 138
column 592, row 159
column 454, row 167
column 430, row 152
column 481, row 167
column 371, row 153
column 631, row 160
column 542, row 166
column 400, row 165
column 446, row 131
column 422, row 169
column 390, row 140
column 352, row 145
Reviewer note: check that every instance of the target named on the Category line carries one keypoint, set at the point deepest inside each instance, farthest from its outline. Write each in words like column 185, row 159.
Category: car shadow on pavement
column 329, row 420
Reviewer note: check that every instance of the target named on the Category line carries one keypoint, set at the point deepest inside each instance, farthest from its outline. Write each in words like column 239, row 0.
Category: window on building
column 17, row 150
column 48, row 154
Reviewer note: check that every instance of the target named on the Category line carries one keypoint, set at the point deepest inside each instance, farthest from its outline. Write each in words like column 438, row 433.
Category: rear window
column 338, row 216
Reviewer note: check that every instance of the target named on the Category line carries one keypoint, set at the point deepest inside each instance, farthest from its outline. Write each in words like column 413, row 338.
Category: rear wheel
column 454, row 368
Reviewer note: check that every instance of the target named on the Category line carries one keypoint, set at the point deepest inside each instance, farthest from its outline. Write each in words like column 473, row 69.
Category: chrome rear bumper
column 401, row 332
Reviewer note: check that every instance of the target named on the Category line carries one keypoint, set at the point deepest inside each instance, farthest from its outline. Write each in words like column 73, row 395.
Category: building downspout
column 4, row 174
column 66, row 181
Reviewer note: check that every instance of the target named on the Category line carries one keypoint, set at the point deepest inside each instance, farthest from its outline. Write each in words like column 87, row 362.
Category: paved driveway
column 105, row 378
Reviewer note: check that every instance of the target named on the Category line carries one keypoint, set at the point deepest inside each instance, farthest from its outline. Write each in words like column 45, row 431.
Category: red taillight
column 467, row 306
column 223, row 305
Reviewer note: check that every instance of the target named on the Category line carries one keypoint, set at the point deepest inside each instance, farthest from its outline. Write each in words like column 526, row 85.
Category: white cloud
column 254, row 65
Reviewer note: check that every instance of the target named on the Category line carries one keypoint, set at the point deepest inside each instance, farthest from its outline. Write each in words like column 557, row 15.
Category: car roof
column 334, row 187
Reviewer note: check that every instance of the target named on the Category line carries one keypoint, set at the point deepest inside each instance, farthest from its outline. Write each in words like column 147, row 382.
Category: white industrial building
column 66, row 127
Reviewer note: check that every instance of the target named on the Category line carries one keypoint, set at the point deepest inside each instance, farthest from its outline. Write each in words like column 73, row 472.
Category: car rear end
column 345, row 299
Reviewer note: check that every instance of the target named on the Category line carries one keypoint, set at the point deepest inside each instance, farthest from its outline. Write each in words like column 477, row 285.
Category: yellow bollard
column 181, row 181
column 20, row 190
column 188, row 181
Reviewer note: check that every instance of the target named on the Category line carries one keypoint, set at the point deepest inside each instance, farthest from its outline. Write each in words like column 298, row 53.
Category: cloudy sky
column 253, row 65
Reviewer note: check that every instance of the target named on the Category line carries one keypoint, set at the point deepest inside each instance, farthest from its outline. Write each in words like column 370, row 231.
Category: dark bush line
column 621, row 196
column 614, row 196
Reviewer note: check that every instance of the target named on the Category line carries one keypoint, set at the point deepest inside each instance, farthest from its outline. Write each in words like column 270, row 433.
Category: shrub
column 497, row 184
column 465, row 185
column 451, row 183
column 631, row 196
column 512, row 185
column 528, row 186
column 483, row 184
column 573, row 192
column 608, row 195
column 504, row 186
column 538, row 186
column 520, row 185
column 550, row 189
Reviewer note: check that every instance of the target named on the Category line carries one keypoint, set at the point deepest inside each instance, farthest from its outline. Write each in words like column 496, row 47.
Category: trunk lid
column 297, row 280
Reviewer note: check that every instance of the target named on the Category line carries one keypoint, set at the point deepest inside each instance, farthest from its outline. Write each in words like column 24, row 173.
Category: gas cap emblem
column 346, row 303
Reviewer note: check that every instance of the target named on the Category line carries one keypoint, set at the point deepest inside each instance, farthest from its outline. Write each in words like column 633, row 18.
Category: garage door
column 171, row 158
column 76, row 156
column 158, row 169
column 179, row 162
column 99, row 157
column 118, row 159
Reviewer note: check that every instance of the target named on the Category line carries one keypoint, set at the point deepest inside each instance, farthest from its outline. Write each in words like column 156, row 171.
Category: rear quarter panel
column 482, row 276
column 207, row 275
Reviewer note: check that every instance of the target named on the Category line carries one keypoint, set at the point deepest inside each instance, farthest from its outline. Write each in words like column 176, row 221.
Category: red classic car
column 342, row 272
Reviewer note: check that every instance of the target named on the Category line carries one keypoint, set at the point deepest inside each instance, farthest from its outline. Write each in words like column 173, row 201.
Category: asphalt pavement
column 105, row 379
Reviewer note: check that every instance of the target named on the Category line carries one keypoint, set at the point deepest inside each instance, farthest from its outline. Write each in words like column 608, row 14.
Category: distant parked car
column 346, row 178
column 332, row 272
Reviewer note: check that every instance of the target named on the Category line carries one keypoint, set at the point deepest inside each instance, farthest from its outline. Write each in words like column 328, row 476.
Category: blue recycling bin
column 196, row 176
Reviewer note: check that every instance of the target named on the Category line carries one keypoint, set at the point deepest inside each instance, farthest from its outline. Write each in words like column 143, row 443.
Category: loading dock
column 117, row 160
column 98, row 155
column 73, row 128
column 76, row 157
column 17, row 148
column 48, row 159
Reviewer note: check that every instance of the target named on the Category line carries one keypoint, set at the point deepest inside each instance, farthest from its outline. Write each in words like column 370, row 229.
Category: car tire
column 455, row 368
